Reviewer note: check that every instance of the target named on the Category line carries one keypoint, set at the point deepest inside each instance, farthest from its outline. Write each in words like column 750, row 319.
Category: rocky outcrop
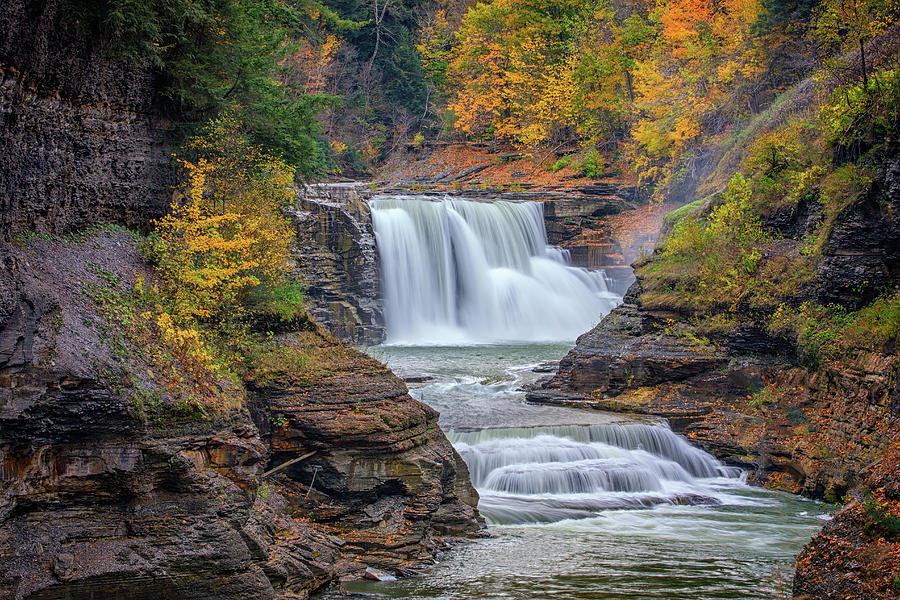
column 101, row 499
column 800, row 431
column 336, row 259
column 80, row 138
column 862, row 255
column 856, row 556
column 387, row 482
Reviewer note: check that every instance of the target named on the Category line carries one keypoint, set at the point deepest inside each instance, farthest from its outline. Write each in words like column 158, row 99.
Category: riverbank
column 650, row 532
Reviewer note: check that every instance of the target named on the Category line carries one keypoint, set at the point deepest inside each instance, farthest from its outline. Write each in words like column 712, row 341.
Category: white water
column 586, row 504
column 459, row 271
column 551, row 473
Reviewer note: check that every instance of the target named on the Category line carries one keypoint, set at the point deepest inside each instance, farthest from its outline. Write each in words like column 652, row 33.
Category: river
column 579, row 504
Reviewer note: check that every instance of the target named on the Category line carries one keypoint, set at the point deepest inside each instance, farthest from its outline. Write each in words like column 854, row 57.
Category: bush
column 285, row 300
column 593, row 163
column 227, row 235
column 879, row 520
column 560, row 164
column 674, row 217
column 854, row 114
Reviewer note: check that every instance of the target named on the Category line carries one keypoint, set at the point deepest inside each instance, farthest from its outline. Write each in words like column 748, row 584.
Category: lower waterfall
column 551, row 473
column 587, row 504
column 459, row 271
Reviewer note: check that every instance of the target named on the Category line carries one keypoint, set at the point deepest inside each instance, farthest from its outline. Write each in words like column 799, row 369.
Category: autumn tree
column 226, row 234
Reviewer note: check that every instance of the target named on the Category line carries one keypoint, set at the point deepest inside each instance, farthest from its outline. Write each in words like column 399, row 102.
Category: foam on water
column 546, row 474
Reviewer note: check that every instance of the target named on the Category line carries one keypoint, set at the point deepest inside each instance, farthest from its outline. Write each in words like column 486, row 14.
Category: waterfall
column 541, row 474
column 458, row 271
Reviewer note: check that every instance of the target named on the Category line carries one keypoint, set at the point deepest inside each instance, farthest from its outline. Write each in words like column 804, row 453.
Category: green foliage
column 560, row 164
column 765, row 396
column 227, row 235
column 284, row 299
column 216, row 55
column 710, row 262
column 592, row 165
column 876, row 325
column 832, row 333
column 863, row 113
column 786, row 165
column 175, row 359
column 673, row 217
column 879, row 520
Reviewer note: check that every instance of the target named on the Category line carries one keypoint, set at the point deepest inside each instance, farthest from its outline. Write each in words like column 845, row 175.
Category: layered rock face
column 822, row 429
column 386, row 479
column 98, row 500
column 80, row 139
column 742, row 395
column 856, row 556
column 336, row 258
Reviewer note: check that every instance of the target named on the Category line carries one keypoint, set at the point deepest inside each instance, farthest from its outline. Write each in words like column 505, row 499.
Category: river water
column 579, row 504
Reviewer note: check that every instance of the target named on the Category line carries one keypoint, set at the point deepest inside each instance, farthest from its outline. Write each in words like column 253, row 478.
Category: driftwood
column 288, row 463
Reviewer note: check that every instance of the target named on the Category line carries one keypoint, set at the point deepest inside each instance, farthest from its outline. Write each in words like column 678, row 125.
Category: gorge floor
column 647, row 520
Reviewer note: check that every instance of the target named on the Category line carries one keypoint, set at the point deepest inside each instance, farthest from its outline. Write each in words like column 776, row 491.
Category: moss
column 673, row 217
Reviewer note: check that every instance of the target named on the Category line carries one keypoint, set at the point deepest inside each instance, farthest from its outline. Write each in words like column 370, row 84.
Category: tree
column 226, row 235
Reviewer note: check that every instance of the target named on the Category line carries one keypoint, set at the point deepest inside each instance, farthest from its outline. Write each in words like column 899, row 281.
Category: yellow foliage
column 227, row 233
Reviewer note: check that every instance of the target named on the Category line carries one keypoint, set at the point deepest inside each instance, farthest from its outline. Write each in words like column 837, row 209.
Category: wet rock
column 627, row 350
column 394, row 484
column 378, row 575
column 63, row 566
column 336, row 257
column 416, row 378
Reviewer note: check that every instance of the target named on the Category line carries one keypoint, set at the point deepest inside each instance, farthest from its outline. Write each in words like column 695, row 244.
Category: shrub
column 560, row 164
column 593, row 163
column 227, row 234
column 856, row 114
column 879, row 520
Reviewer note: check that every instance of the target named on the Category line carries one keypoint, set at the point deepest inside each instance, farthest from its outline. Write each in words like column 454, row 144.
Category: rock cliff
column 80, row 137
column 100, row 498
column 741, row 390
column 336, row 258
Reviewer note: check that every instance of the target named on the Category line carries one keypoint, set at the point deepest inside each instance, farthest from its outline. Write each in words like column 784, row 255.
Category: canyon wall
column 336, row 258
column 106, row 489
column 80, row 137
column 742, row 392
column 824, row 425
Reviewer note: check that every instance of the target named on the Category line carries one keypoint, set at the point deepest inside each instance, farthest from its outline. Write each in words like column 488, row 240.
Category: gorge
column 419, row 299
column 551, row 478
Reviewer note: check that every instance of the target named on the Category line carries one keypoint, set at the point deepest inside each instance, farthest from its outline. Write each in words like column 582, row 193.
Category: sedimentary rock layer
column 98, row 499
column 80, row 137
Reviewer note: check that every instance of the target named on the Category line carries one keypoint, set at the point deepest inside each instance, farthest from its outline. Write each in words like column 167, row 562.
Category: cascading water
column 460, row 271
column 545, row 474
